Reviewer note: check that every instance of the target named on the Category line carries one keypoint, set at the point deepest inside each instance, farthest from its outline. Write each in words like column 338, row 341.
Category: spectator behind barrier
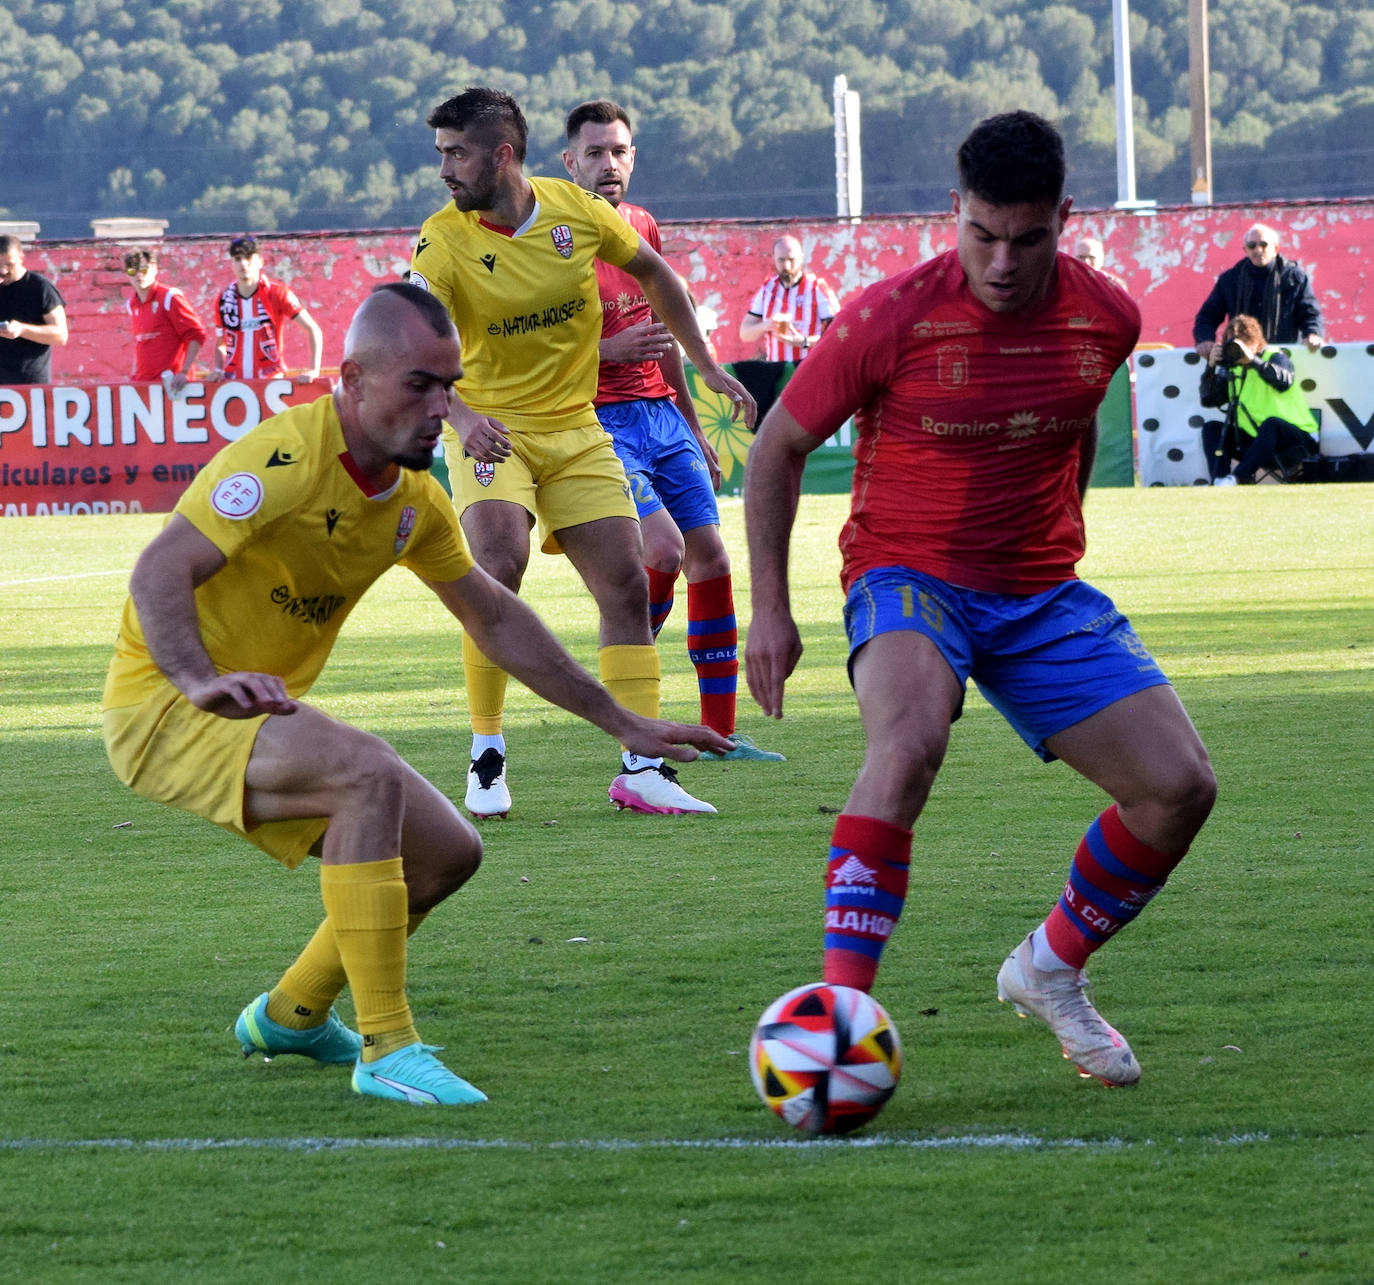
column 1263, row 285
column 168, row 334
column 33, row 319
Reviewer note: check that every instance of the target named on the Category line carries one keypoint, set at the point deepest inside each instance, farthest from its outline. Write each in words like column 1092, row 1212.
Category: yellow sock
column 486, row 684
column 307, row 989
column 631, row 674
column 367, row 907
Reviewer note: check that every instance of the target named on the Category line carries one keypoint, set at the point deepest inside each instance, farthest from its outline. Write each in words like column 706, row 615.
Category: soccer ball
column 825, row 1058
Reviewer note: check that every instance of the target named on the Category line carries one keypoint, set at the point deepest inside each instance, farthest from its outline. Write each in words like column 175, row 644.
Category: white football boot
column 487, row 794
column 1059, row 998
column 654, row 790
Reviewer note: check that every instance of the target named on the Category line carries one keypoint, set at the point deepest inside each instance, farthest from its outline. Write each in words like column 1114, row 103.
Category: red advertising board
column 123, row 448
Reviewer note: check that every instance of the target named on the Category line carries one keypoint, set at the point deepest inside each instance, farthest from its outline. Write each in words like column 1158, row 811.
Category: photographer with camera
column 1267, row 425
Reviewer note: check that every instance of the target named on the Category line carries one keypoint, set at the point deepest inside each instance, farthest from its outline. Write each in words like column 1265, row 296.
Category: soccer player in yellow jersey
column 513, row 260
column 233, row 610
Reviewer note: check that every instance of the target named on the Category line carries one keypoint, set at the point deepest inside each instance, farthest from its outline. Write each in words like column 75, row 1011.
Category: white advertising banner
column 1337, row 382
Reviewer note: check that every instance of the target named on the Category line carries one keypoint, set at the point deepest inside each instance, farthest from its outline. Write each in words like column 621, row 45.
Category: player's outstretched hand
column 772, row 649
column 647, row 341
column 658, row 738
column 242, row 695
column 719, row 382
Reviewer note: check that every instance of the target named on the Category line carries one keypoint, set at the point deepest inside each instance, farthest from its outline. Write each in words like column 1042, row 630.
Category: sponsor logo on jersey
column 951, row 369
column 562, row 240
column 331, row 520
column 485, row 474
column 279, row 458
column 238, row 496
column 404, row 527
column 851, row 872
column 526, row 323
column 488, row 261
column 421, row 245
column 317, row 610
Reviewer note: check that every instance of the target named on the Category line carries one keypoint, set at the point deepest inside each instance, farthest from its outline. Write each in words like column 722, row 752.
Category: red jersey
column 252, row 328
column 970, row 423
column 164, row 325
column 623, row 305
column 808, row 304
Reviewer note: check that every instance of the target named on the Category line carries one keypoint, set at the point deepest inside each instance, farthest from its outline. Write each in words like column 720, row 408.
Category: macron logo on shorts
column 237, row 496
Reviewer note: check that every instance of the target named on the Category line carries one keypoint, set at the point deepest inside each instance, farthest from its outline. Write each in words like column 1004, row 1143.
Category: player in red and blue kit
column 643, row 402
column 975, row 381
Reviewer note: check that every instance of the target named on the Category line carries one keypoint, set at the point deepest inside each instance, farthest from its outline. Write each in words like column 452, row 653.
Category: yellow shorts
column 171, row 752
column 562, row 478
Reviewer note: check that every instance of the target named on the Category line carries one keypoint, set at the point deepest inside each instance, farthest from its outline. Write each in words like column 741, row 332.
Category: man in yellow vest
column 1267, row 422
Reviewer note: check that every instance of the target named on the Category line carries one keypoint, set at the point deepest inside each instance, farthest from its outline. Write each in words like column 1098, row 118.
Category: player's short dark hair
column 596, row 111
column 8, row 243
column 1012, row 159
column 492, row 113
column 426, row 304
column 243, row 247
column 140, row 259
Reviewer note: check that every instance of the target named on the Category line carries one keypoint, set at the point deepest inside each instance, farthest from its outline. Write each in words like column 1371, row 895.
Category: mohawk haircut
column 1012, row 159
column 429, row 307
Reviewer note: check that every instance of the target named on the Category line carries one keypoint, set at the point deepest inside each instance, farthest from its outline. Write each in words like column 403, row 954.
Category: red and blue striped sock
column 865, row 890
column 713, row 646
column 1112, row 879
column 660, row 596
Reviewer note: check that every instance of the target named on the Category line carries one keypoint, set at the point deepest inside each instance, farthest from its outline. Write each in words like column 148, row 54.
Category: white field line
column 76, row 575
column 878, row 1141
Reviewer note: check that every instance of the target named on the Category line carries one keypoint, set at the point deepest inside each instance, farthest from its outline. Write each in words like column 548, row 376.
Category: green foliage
column 231, row 99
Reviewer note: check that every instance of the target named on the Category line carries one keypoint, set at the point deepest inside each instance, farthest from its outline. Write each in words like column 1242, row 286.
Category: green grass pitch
column 600, row 976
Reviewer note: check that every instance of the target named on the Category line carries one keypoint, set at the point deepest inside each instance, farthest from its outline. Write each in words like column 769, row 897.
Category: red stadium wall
column 1168, row 260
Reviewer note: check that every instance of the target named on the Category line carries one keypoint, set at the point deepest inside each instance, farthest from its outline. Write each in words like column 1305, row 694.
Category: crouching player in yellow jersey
column 233, row 610
column 514, row 261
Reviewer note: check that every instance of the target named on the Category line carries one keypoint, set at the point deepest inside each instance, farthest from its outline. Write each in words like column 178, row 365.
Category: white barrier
column 1337, row 383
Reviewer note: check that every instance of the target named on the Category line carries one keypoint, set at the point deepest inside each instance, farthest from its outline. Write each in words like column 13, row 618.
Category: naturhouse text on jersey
column 525, row 323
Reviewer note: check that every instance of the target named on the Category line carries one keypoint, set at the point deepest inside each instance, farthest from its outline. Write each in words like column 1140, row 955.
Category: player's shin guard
column 1112, row 880
column 486, row 688
column 631, row 674
column 713, row 647
column 367, row 904
column 865, row 889
column 660, row 596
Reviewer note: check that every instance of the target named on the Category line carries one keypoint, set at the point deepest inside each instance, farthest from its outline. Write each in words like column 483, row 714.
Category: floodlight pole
column 1125, row 125
column 1199, row 103
column 849, row 182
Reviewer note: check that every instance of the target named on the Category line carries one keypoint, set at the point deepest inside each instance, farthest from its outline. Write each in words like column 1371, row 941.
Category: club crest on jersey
column 485, row 474
column 562, row 240
column 951, row 369
column 1092, row 365
column 404, row 527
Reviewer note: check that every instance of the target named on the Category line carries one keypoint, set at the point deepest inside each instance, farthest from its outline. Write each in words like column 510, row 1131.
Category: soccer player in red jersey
column 975, row 380
column 168, row 334
column 644, row 403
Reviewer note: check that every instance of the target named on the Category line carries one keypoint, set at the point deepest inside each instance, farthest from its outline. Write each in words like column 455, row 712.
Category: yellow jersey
column 526, row 303
column 305, row 535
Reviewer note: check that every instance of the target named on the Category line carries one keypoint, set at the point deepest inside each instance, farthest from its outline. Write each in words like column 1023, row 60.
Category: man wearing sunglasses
column 168, row 335
column 1266, row 286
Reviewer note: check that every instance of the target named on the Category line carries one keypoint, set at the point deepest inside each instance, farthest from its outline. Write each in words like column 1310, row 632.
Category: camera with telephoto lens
column 1233, row 353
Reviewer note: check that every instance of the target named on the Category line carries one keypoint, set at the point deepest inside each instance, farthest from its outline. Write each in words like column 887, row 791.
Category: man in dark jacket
column 1266, row 286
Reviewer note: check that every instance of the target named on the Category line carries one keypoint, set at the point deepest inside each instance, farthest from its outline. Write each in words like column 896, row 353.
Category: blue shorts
column 1044, row 661
column 662, row 460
